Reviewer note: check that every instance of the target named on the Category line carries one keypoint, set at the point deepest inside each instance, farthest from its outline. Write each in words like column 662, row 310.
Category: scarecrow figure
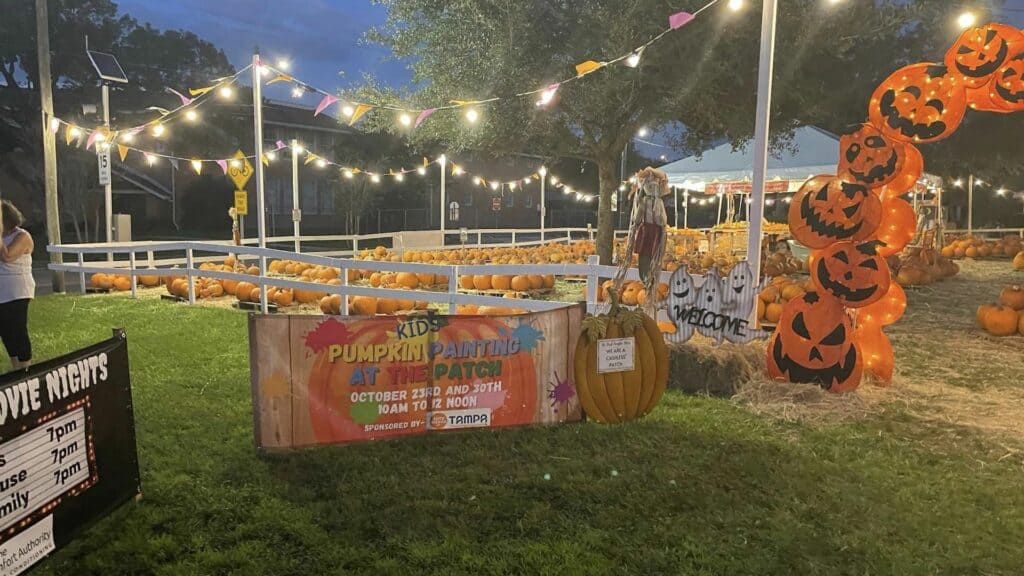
column 646, row 238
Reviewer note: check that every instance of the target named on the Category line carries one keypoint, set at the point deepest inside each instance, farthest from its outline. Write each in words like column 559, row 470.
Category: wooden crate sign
column 337, row 379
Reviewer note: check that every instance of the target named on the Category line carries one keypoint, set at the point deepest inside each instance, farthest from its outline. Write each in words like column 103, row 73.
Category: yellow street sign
column 239, row 170
column 241, row 202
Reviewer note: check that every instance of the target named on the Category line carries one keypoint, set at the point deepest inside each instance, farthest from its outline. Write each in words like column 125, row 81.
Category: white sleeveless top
column 16, row 281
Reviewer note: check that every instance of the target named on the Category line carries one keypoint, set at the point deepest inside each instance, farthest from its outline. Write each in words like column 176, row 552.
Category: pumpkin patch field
column 920, row 478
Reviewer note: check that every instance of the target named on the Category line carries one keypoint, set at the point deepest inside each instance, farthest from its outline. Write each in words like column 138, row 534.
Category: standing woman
column 17, row 287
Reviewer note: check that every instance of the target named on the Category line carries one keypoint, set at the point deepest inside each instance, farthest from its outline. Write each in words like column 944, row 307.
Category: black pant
column 14, row 329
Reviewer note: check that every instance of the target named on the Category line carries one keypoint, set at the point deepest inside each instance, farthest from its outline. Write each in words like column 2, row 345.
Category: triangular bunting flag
column 587, row 67
column 174, row 162
column 280, row 78
column 280, row 144
column 310, row 157
column 223, row 165
column 356, row 170
column 197, row 165
column 679, row 19
column 201, row 91
column 423, row 116
column 465, row 102
column 265, row 159
column 92, row 138
column 324, row 103
column 358, row 113
column 426, row 162
column 70, row 133
column 162, row 111
column 185, row 100
column 122, row 151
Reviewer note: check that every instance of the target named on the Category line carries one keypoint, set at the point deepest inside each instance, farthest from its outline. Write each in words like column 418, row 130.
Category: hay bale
column 714, row 370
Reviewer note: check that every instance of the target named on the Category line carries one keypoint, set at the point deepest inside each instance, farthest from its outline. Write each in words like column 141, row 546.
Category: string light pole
column 257, row 102
column 296, row 212
column 543, row 206
column 761, row 124
column 970, row 199
column 442, row 161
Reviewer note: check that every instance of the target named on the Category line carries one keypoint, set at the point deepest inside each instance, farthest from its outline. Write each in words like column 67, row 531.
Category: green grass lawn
column 703, row 486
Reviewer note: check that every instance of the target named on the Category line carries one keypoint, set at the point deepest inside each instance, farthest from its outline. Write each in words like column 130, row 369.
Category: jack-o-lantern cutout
column 980, row 52
column 814, row 343
column 919, row 103
column 868, row 157
column 1004, row 93
column 897, row 228
column 826, row 210
column 852, row 273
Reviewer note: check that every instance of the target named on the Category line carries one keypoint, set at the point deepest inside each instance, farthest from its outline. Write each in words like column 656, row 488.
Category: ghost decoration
column 681, row 300
column 709, row 301
column 740, row 290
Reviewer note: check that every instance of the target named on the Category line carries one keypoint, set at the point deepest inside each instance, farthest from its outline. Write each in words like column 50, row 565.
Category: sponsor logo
column 479, row 418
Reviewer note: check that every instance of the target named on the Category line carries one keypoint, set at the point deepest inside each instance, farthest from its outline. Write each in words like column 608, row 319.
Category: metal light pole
column 970, row 204
column 108, row 196
column 764, row 103
column 443, row 160
column 686, row 209
column 49, row 140
column 257, row 102
column 543, row 206
column 296, row 211
column 675, row 196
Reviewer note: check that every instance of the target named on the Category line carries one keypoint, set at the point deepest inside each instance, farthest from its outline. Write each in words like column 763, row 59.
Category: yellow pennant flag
column 426, row 162
column 588, row 67
column 280, row 78
column 197, row 165
column 70, row 133
column 358, row 113
column 265, row 159
column 200, row 91
column 465, row 102
column 122, row 151
column 310, row 157
column 356, row 170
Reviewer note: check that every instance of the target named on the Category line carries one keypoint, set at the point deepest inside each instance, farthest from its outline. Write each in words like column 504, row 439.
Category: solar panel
column 107, row 67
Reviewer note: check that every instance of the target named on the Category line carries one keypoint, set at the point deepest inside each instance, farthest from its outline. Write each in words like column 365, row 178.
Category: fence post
column 149, row 256
column 355, row 245
column 592, row 280
column 344, row 293
column 131, row 272
column 188, row 275
column 81, row 275
column 513, row 237
column 453, row 288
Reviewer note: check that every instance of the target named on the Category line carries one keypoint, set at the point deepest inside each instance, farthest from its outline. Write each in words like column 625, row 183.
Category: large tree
column 702, row 77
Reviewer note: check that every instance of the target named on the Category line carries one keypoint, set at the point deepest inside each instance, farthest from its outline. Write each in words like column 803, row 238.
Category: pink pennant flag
column 92, row 139
column 423, row 116
column 327, row 101
column 223, row 165
column 679, row 19
column 280, row 144
column 185, row 100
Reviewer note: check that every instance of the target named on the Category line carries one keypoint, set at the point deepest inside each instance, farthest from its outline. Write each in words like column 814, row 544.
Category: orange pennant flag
column 70, row 133
column 356, row 170
column 280, row 78
column 358, row 113
column 587, row 67
column 122, row 151
column 426, row 162
column 465, row 102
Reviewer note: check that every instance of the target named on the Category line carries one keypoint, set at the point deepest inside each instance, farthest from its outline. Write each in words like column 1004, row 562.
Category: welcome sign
column 719, row 309
column 67, row 450
column 336, row 379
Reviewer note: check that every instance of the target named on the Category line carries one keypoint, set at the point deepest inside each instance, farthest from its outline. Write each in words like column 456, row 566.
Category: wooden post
column 49, row 143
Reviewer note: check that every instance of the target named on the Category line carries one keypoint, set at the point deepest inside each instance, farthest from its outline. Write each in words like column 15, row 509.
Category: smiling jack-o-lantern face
column 979, row 52
column 919, row 103
column 868, row 157
column 1004, row 93
column 826, row 210
column 852, row 273
column 813, row 343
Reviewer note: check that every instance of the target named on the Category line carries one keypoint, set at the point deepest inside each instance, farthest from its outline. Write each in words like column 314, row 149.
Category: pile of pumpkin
column 925, row 266
column 550, row 253
column 121, row 282
column 776, row 295
column 1009, row 246
column 1005, row 318
column 779, row 264
column 505, row 283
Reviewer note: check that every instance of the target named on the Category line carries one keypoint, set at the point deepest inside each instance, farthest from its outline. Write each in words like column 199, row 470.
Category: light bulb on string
column 735, row 5
column 283, row 64
column 297, row 148
column 226, row 92
column 966, row 19
column 297, row 92
column 375, row 178
column 235, row 164
column 633, row 60
column 321, row 163
column 1001, row 192
column 159, row 130
column 75, row 132
column 422, row 170
column 405, row 120
column 554, row 180
column 271, row 156
column 127, row 137
column 101, row 137
column 191, row 115
column 543, row 171
column 150, row 159
column 54, row 124
column 495, row 186
column 197, row 165
column 476, row 180
column 642, row 132
column 457, row 170
column 348, row 173
column 567, row 190
column 472, row 115
column 348, row 110
column 399, row 177
column 547, row 95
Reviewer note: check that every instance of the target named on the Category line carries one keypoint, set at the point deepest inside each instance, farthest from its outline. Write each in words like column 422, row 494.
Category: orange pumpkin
column 101, row 281
column 1013, row 297
column 826, row 210
column 407, row 280
column 122, row 283
column 1001, row 321
column 520, row 283
column 919, row 103
column 500, row 282
column 482, row 282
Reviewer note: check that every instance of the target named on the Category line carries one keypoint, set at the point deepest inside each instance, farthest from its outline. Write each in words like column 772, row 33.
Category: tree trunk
column 608, row 182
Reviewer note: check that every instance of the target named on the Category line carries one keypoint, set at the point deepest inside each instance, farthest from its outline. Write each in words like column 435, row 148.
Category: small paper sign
column 241, row 202
column 615, row 355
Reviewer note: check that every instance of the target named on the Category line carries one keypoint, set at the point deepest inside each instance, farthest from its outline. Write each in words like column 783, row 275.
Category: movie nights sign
column 343, row 379
column 67, row 450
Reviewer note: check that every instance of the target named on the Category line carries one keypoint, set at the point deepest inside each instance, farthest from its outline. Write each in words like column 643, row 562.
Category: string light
column 348, row 173
column 422, row 170
column 1001, row 192
column 554, row 181
column 543, row 171
column 284, row 64
column 348, row 110
column 735, row 5
column 236, row 163
column 191, row 115
column 966, row 19
column 405, row 120
column 321, row 163
column 399, row 177
column 472, row 115
column 54, row 124
column 150, row 159
column 297, row 148
column 197, row 166
column 567, row 190
column 643, row 132
column 375, row 178
column 127, row 137
column 271, row 156
column 476, row 180
column 226, row 92
column 512, row 185
column 547, row 96
column 297, row 92
column 633, row 60
column 457, row 170
column 495, row 185
column 158, row 130
column 101, row 137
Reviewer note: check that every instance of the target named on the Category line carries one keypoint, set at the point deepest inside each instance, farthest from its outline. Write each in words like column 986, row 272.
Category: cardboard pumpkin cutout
column 897, row 228
column 867, row 157
column 919, row 103
column 813, row 343
column 852, row 273
column 876, row 351
column 1004, row 92
column 826, row 209
column 980, row 52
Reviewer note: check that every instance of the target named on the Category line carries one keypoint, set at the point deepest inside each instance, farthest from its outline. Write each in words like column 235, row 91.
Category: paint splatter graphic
column 561, row 393
column 529, row 337
column 364, row 412
column 492, row 399
column 328, row 332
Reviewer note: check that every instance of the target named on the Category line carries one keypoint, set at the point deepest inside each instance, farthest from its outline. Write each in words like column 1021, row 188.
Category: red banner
column 770, row 187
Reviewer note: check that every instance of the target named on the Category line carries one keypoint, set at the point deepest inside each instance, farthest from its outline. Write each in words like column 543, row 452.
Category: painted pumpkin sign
column 813, row 343
column 852, row 273
column 1004, row 93
column 980, row 52
column 826, row 210
column 869, row 158
column 919, row 103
